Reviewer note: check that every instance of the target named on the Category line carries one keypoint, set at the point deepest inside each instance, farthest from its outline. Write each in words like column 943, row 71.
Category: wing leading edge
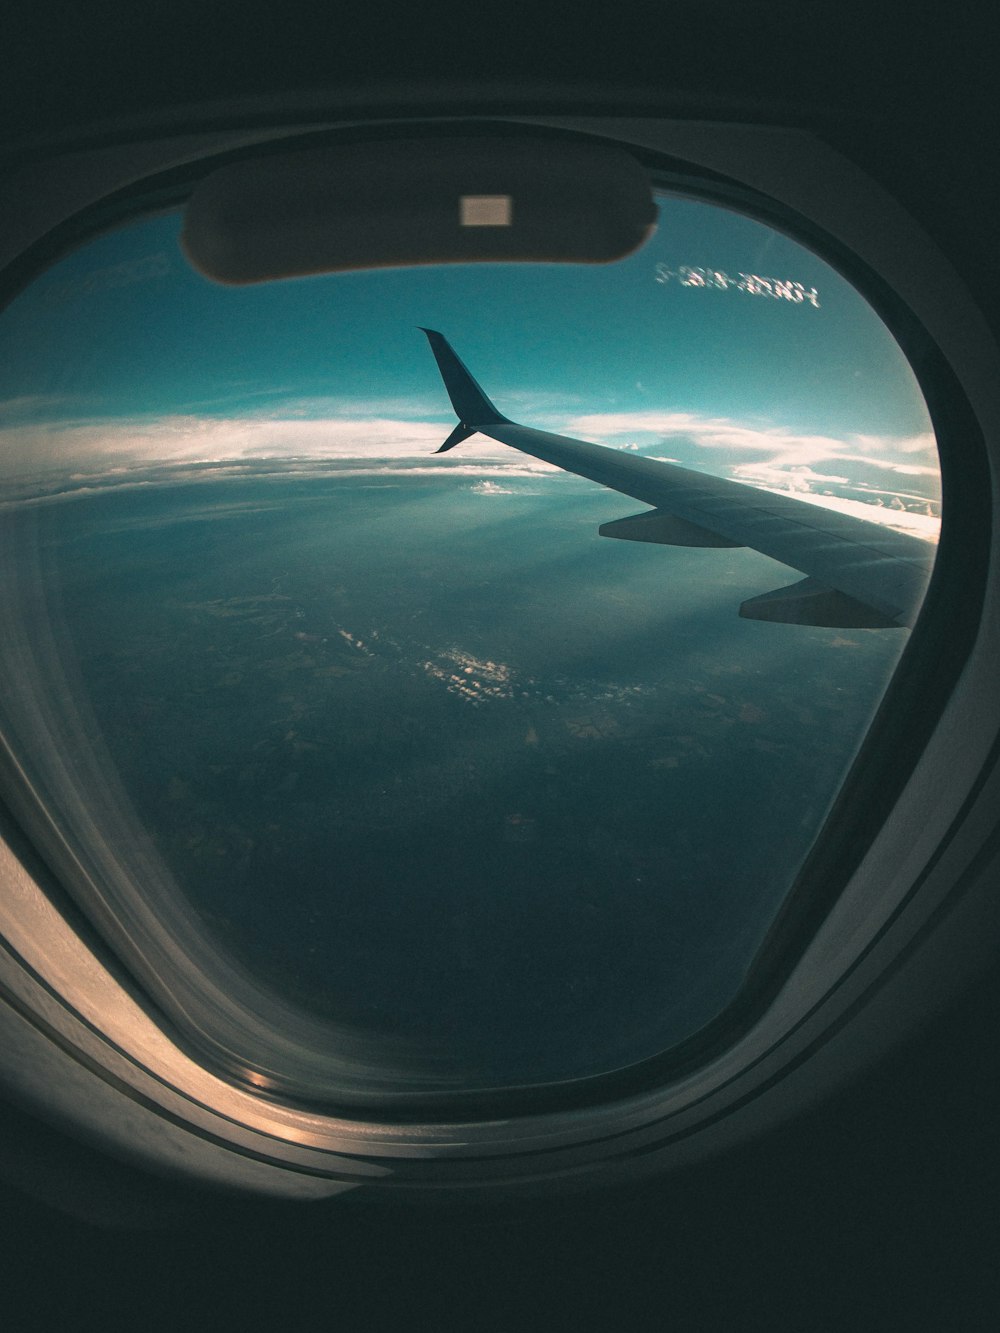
column 858, row 574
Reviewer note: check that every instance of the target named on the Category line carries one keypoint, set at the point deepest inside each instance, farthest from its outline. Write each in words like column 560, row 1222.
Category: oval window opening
column 383, row 771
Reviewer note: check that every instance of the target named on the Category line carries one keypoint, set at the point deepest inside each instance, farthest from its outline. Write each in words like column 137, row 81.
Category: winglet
column 471, row 405
column 460, row 433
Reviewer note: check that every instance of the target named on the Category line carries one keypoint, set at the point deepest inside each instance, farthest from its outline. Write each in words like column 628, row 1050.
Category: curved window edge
column 963, row 579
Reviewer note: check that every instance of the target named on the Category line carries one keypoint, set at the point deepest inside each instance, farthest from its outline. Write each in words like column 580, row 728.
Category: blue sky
column 122, row 359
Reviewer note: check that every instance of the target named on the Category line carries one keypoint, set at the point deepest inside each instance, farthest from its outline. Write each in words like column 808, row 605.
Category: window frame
column 895, row 901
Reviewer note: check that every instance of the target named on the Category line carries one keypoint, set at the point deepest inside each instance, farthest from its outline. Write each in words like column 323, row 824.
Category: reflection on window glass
column 383, row 770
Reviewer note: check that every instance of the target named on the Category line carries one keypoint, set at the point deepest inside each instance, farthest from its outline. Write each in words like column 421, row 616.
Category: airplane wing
column 858, row 574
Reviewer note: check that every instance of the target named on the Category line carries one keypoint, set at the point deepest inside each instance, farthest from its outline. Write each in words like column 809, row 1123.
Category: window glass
column 383, row 771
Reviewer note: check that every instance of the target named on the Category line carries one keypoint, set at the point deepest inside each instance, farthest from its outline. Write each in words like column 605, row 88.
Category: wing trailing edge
column 858, row 574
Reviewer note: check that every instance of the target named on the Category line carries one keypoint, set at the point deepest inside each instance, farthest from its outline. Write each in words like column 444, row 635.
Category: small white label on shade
column 485, row 210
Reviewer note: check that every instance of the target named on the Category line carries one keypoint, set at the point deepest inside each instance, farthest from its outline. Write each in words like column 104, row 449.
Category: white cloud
column 490, row 488
column 798, row 478
column 781, row 446
column 39, row 450
column 371, row 439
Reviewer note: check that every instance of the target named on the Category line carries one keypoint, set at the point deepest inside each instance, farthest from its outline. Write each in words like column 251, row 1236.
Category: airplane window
column 381, row 770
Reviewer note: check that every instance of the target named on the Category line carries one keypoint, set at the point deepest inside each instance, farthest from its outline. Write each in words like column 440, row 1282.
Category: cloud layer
column 894, row 480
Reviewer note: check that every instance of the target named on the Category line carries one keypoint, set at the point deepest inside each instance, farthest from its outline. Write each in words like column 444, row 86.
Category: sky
column 124, row 366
